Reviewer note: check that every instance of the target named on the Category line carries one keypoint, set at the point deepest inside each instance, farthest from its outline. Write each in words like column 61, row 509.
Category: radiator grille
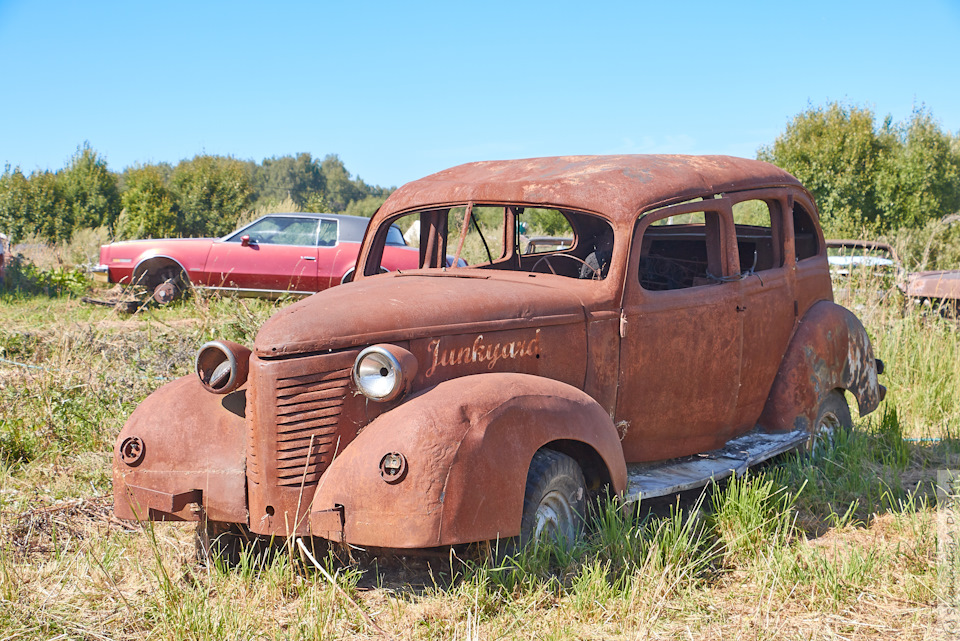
column 308, row 412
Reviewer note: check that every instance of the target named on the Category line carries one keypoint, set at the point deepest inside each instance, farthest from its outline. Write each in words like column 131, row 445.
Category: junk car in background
column 876, row 260
column 691, row 314
column 277, row 254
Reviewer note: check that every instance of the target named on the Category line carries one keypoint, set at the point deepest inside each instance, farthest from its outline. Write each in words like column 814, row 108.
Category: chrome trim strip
column 238, row 290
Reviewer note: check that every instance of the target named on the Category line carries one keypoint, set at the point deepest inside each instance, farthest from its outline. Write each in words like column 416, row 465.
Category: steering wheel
column 546, row 259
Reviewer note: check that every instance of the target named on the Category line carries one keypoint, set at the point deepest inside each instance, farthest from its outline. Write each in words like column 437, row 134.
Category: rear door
column 768, row 309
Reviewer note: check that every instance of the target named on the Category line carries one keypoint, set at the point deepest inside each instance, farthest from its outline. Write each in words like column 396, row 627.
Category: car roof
column 849, row 243
column 616, row 186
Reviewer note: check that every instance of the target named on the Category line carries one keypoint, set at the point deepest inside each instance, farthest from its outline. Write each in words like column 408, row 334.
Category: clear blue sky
column 400, row 90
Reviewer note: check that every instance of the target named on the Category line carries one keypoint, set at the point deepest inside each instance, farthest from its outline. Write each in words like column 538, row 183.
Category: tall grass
column 838, row 544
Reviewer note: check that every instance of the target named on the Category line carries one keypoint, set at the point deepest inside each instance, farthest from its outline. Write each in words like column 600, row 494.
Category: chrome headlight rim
column 201, row 368
column 365, row 379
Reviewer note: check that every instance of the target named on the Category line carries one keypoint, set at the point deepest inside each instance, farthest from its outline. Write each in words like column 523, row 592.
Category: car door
column 278, row 255
column 767, row 301
column 680, row 333
column 338, row 246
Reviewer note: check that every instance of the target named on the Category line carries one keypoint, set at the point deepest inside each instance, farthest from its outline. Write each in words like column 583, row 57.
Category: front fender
column 468, row 443
column 191, row 446
column 830, row 350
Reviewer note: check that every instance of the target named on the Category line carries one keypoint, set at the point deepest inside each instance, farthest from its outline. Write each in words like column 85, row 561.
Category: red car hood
column 136, row 247
column 405, row 306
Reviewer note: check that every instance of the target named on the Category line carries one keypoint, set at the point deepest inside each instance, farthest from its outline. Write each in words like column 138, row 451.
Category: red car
column 274, row 255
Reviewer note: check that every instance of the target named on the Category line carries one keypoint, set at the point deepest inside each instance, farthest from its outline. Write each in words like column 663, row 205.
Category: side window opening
column 280, row 230
column 328, row 233
column 572, row 244
column 805, row 234
column 758, row 235
column 681, row 251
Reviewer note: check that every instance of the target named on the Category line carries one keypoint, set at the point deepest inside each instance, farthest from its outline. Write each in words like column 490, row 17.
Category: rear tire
column 554, row 501
column 833, row 416
column 166, row 284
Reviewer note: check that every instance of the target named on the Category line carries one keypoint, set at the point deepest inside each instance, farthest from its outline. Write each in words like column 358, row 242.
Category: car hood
column 934, row 284
column 411, row 305
column 126, row 247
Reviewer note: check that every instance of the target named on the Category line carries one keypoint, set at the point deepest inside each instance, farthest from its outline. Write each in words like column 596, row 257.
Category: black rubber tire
column 832, row 416
column 224, row 543
column 555, row 499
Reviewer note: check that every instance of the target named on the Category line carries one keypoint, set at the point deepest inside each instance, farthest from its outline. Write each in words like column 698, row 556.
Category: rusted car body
column 425, row 407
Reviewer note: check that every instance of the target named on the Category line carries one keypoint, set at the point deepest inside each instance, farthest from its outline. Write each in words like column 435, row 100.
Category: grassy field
column 843, row 545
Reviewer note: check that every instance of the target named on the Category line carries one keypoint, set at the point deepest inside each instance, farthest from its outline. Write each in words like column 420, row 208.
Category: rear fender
column 467, row 444
column 830, row 350
column 185, row 468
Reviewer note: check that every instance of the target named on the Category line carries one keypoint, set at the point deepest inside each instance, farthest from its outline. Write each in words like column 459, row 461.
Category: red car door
column 275, row 254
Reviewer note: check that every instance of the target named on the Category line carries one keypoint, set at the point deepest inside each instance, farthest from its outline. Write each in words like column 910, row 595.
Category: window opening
column 681, row 251
column 758, row 244
column 281, row 230
column 806, row 243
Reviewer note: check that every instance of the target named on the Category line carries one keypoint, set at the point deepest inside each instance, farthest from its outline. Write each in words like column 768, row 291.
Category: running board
column 650, row 480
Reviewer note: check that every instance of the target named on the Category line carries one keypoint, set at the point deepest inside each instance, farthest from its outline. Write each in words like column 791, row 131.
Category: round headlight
column 383, row 372
column 222, row 366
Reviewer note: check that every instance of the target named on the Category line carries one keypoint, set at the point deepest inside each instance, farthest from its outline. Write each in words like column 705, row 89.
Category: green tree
column 835, row 151
column 148, row 207
column 47, row 208
column 89, row 191
column 919, row 180
column 365, row 207
column 211, row 193
column 295, row 177
column 15, row 202
column 340, row 188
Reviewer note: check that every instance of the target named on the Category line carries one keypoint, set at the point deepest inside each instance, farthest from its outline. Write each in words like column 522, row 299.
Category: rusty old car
column 436, row 406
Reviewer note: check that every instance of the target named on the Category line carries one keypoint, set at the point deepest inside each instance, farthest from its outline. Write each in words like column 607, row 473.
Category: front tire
column 554, row 501
column 225, row 543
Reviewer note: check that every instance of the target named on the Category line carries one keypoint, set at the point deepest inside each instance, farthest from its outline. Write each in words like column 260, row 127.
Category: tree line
column 868, row 179
column 203, row 196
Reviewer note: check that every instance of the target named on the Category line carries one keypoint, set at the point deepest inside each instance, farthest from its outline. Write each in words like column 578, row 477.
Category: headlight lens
column 383, row 372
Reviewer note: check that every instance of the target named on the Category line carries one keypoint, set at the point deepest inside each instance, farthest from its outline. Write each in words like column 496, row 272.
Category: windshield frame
column 512, row 258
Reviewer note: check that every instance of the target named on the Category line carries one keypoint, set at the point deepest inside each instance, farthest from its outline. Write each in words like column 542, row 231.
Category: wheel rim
column 555, row 518
column 165, row 293
column 827, row 427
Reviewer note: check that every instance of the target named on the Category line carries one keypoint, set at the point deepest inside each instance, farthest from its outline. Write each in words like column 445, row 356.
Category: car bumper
column 100, row 273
